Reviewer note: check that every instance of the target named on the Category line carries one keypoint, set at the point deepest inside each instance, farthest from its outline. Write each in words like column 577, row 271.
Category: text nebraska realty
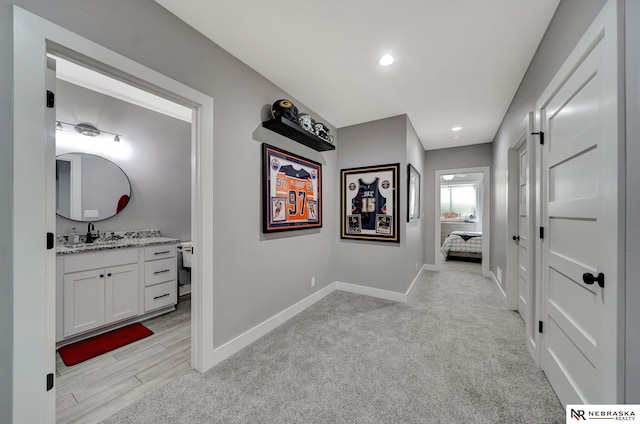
column 612, row 415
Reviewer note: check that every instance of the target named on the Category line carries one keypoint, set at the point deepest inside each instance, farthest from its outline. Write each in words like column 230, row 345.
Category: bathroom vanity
column 122, row 278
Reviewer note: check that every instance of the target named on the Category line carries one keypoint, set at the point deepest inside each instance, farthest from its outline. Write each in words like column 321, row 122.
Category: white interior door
column 523, row 234
column 50, row 223
column 578, row 113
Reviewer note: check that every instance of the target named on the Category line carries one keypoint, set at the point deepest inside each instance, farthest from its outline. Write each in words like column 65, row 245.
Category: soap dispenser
column 73, row 236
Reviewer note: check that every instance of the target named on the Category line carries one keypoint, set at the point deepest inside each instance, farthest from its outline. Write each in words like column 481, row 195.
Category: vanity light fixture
column 387, row 60
column 87, row 130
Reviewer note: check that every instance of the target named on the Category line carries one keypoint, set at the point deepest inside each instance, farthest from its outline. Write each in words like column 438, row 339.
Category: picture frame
column 292, row 191
column 369, row 203
column 413, row 194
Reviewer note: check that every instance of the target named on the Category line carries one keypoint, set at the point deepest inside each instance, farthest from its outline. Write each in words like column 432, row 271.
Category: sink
column 96, row 243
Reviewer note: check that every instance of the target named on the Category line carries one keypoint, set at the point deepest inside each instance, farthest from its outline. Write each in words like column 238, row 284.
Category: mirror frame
column 97, row 219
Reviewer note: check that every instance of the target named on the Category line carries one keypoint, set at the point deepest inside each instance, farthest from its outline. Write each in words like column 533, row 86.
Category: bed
column 463, row 245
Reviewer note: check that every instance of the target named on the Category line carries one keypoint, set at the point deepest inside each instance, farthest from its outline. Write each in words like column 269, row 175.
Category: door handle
column 516, row 238
column 589, row 278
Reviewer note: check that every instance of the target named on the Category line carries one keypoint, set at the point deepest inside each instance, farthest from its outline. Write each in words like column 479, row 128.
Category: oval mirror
column 90, row 187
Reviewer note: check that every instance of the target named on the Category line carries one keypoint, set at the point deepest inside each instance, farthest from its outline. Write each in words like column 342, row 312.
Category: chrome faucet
column 90, row 237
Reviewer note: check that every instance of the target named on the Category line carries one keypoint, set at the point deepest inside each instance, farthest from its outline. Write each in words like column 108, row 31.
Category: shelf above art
column 290, row 130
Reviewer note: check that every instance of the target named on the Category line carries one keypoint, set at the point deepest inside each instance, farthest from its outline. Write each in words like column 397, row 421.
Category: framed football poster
column 292, row 190
column 369, row 203
column 413, row 194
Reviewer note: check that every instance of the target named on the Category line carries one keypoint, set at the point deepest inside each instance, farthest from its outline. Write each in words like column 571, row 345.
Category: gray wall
column 378, row 264
column 245, row 294
column 457, row 157
column 571, row 20
column 415, row 236
column 155, row 153
column 632, row 371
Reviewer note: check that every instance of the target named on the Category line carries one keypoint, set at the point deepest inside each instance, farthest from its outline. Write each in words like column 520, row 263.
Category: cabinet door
column 121, row 292
column 83, row 301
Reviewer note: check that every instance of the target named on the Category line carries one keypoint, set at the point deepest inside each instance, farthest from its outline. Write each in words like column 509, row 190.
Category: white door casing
column 50, row 219
column 34, row 303
column 522, row 285
column 578, row 113
column 486, row 211
column 522, row 238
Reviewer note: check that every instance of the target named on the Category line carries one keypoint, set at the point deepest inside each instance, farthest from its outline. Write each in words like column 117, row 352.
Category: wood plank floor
column 93, row 390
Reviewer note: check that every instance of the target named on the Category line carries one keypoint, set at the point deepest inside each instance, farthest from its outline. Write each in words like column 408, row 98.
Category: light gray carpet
column 451, row 355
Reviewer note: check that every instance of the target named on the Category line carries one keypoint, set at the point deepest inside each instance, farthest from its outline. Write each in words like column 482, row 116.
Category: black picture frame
column 292, row 191
column 413, row 194
column 369, row 203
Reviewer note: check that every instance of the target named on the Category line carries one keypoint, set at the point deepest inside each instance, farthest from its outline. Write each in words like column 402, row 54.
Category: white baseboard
column 243, row 340
column 432, row 267
column 370, row 291
column 502, row 292
column 414, row 281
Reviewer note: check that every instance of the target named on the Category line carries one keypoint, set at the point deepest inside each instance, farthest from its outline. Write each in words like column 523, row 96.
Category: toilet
column 186, row 248
column 184, row 278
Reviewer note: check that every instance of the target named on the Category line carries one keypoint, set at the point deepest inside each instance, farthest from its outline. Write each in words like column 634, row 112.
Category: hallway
column 452, row 354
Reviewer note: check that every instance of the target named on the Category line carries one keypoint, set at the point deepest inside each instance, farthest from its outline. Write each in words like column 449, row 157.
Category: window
column 460, row 199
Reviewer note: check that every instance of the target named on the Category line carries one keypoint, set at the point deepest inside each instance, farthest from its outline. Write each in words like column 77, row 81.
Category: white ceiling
column 93, row 80
column 458, row 63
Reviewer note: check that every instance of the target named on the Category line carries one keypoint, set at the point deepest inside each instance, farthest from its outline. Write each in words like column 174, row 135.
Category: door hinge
column 540, row 327
column 49, row 381
column 541, row 134
column 51, row 99
column 542, row 232
column 50, row 241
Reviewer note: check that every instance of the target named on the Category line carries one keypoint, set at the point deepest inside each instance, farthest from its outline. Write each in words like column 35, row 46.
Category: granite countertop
column 113, row 240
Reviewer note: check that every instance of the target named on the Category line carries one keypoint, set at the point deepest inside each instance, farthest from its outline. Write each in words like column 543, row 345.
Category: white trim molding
column 370, row 291
column 503, row 295
column 33, row 38
column 486, row 213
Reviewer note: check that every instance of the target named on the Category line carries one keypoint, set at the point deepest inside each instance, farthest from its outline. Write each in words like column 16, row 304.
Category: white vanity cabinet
column 99, row 296
column 83, row 301
column 160, row 271
column 121, row 293
column 98, row 289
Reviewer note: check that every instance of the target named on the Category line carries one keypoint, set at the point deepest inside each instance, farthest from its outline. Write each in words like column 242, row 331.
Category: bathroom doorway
column 129, row 175
column 462, row 216
column 34, row 203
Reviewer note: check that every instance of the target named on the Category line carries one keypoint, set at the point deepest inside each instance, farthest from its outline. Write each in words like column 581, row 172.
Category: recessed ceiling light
column 386, row 60
column 456, row 128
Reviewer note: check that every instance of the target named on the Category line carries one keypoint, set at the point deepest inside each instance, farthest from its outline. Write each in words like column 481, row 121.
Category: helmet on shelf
column 306, row 122
column 322, row 131
column 286, row 109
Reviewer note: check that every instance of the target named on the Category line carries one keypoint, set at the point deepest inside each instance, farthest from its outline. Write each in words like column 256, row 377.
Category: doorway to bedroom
column 462, row 216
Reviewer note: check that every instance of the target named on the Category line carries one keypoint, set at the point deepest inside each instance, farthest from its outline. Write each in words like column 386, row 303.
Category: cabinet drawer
column 103, row 259
column 159, row 271
column 160, row 295
column 159, row 252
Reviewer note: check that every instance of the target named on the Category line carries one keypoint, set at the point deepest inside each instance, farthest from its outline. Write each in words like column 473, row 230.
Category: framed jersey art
column 369, row 203
column 292, row 190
